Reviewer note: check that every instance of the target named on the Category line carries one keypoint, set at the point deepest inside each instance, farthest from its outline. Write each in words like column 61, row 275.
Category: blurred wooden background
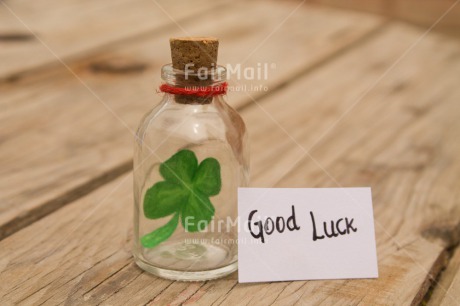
column 420, row 12
column 362, row 93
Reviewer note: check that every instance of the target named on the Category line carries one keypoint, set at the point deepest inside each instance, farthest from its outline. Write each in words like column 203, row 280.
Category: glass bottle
column 190, row 157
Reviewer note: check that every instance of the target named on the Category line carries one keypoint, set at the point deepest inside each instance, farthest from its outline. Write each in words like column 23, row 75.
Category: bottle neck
column 188, row 87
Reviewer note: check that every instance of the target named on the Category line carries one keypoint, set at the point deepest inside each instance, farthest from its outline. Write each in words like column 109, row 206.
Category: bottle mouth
column 209, row 76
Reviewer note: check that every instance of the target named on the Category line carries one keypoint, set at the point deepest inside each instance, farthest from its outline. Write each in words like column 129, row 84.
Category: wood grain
column 447, row 290
column 424, row 13
column 400, row 139
column 47, row 162
column 34, row 34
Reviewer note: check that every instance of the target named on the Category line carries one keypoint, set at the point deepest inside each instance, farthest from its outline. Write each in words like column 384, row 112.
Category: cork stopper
column 197, row 52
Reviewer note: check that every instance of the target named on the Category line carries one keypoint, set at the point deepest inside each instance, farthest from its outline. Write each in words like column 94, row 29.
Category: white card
column 289, row 248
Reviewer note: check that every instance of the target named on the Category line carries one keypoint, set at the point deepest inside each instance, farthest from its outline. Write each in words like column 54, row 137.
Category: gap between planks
column 442, row 291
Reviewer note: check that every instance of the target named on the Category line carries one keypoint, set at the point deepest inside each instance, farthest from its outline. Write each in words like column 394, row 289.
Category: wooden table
column 354, row 100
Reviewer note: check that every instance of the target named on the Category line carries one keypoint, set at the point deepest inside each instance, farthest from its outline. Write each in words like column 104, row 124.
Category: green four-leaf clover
column 184, row 193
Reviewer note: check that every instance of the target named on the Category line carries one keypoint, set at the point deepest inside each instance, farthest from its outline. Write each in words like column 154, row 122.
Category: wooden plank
column 46, row 162
column 400, row 141
column 420, row 12
column 447, row 291
column 63, row 27
column 427, row 12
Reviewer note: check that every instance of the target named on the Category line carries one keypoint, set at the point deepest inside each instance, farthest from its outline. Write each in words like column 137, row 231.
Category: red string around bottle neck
column 196, row 91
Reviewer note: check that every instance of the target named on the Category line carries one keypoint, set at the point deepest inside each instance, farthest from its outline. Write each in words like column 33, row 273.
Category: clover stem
column 159, row 235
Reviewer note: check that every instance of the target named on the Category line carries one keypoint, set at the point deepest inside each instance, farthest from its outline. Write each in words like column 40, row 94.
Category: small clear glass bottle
column 190, row 157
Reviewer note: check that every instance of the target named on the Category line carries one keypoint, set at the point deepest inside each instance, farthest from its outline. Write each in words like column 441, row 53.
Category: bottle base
column 188, row 276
